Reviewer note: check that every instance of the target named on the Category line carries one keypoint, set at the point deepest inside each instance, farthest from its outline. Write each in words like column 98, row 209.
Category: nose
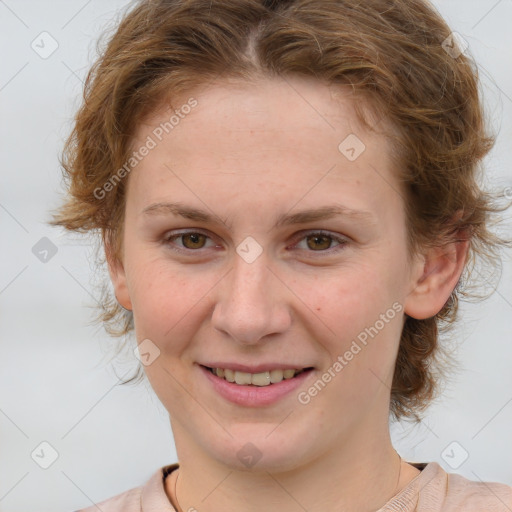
column 251, row 302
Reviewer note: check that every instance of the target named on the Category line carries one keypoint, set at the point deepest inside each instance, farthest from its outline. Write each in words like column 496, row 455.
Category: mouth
column 261, row 379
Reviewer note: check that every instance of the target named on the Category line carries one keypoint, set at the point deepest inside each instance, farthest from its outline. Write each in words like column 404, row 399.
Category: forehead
column 291, row 105
column 241, row 138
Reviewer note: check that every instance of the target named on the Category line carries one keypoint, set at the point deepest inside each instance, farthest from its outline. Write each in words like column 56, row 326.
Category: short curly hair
column 398, row 56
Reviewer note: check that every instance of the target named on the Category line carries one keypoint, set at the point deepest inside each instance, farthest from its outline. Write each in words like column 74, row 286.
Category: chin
column 258, row 448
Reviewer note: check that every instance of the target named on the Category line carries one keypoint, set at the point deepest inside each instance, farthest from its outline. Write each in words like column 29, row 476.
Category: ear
column 117, row 276
column 437, row 273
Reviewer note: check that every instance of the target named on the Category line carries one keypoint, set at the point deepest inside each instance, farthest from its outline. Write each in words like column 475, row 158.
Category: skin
column 246, row 154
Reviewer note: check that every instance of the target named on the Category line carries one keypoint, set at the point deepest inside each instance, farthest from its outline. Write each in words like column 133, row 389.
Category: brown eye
column 193, row 240
column 188, row 242
column 319, row 242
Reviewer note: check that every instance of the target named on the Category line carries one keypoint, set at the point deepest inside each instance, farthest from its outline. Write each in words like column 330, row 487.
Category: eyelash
column 341, row 241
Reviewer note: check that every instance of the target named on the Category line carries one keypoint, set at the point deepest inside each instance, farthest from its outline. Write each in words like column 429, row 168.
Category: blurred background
column 70, row 435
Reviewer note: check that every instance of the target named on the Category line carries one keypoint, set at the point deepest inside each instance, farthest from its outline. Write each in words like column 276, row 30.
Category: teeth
column 276, row 376
column 260, row 379
column 256, row 379
column 242, row 378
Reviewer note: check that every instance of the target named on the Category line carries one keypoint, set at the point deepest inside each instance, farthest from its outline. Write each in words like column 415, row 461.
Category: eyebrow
column 303, row 217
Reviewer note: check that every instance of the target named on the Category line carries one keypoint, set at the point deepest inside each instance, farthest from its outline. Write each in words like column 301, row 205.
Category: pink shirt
column 433, row 490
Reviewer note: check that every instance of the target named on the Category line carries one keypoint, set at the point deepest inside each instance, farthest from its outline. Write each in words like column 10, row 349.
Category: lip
column 259, row 368
column 254, row 396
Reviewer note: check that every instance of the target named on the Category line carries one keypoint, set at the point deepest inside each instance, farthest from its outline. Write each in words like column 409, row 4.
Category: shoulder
column 435, row 490
column 150, row 496
column 477, row 495
column 128, row 501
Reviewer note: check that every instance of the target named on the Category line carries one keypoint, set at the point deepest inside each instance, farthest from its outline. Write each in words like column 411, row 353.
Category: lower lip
column 254, row 396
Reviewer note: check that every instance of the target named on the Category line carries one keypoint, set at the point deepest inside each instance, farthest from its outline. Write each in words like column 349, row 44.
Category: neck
column 365, row 476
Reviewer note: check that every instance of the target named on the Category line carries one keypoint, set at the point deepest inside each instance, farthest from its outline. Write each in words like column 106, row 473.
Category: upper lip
column 258, row 368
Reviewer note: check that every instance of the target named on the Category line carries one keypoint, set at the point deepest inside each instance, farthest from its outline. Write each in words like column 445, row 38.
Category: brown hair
column 391, row 53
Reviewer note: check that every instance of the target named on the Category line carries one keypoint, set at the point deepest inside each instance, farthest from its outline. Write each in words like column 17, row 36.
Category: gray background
column 56, row 382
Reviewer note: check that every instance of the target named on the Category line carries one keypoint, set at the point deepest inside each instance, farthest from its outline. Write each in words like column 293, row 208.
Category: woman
column 287, row 197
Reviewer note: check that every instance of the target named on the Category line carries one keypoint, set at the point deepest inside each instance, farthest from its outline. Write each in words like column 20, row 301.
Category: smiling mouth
column 256, row 379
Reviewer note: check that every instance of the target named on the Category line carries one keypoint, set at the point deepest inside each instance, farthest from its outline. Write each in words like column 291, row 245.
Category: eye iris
column 326, row 239
column 195, row 238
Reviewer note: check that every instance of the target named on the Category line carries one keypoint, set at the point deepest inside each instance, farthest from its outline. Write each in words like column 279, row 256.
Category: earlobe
column 118, row 277
column 436, row 277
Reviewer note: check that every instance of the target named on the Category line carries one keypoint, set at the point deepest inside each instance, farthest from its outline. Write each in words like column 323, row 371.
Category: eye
column 315, row 241
column 190, row 240
column 321, row 241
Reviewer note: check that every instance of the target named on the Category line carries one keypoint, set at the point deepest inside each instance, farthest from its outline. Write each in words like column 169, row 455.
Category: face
column 298, row 260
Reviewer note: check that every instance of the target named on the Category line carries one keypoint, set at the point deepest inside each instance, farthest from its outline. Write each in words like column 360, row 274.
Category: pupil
column 194, row 238
column 319, row 238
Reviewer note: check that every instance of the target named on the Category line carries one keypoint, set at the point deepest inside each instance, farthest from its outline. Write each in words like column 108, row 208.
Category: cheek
column 160, row 296
column 347, row 301
column 356, row 316
column 170, row 303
